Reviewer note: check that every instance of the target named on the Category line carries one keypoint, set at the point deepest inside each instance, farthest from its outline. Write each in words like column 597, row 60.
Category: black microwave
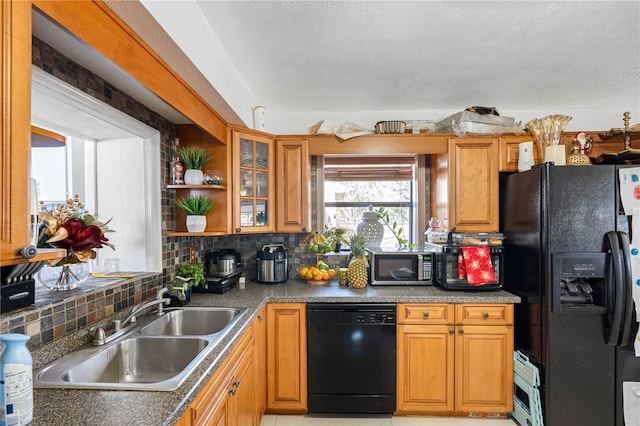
column 447, row 274
column 400, row 267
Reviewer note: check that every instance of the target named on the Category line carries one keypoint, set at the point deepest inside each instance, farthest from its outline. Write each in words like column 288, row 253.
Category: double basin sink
column 158, row 353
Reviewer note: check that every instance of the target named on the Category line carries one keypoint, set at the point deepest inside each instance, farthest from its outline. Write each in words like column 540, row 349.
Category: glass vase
column 547, row 132
column 63, row 277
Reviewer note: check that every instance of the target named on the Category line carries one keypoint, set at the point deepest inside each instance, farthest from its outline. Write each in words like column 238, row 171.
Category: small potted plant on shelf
column 194, row 158
column 196, row 207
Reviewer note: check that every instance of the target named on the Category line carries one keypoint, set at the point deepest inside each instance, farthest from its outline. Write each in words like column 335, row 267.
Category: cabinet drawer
column 510, row 151
column 425, row 313
column 484, row 314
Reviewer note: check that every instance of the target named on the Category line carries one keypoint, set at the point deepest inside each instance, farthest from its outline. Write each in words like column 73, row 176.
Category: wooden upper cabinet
column 15, row 39
column 218, row 217
column 293, row 181
column 254, row 191
column 16, row 117
column 509, row 151
column 473, row 184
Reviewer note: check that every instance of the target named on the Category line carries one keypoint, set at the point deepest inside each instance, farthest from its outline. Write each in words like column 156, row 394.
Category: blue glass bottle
column 16, row 381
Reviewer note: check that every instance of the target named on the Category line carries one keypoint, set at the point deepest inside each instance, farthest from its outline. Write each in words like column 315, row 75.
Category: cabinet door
column 241, row 401
column 260, row 362
column 484, row 369
column 473, row 184
column 293, row 179
column 510, row 151
column 15, row 18
column 425, row 369
column 286, row 358
column 254, row 183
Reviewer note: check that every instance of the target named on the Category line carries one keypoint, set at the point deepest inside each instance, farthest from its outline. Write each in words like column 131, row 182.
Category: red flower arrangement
column 70, row 227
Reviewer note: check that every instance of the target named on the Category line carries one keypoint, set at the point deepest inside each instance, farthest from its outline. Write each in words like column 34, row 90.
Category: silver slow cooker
column 273, row 264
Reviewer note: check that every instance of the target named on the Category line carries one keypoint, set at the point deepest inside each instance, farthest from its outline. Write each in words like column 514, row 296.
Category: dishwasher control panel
column 376, row 318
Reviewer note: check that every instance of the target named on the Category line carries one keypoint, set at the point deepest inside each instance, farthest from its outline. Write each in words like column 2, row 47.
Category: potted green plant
column 192, row 271
column 194, row 158
column 196, row 207
column 335, row 236
column 189, row 275
column 383, row 215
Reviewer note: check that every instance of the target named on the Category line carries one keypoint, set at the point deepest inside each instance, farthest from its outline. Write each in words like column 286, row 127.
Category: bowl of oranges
column 317, row 274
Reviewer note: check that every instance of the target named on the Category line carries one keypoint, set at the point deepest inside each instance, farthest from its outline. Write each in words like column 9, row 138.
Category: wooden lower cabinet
column 425, row 367
column 229, row 398
column 260, row 361
column 286, row 358
column 459, row 361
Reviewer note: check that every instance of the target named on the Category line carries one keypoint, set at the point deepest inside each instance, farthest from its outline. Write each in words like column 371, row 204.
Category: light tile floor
column 317, row 420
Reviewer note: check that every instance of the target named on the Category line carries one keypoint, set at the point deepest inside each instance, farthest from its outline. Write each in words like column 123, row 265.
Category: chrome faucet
column 98, row 335
column 159, row 300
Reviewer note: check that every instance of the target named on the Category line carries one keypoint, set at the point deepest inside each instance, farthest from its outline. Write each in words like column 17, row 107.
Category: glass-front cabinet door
column 254, row 182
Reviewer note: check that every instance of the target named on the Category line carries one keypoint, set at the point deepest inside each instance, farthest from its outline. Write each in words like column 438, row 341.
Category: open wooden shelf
column 219, row 187
column 194, row 234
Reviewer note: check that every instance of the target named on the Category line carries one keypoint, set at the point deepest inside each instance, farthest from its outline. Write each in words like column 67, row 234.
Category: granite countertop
column 97, row 407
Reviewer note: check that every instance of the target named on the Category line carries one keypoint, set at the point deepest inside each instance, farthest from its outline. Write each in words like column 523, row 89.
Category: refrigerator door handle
column 614, row 318
column 628, row 289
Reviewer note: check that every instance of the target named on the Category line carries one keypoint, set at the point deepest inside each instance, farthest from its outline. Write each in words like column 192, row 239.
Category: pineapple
column 357, row 272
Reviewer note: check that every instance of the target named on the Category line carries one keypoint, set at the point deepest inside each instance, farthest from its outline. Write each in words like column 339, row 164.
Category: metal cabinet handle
column 260, row 317
column 234, row 387
column 238, row 229
column 461, row 331
column 485, row 315
column 425, row 315
column 451, row 331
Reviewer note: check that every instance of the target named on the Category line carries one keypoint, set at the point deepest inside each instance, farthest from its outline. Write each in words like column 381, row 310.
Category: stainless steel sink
column 156, row 353
column 191, row 322
column 128, row 361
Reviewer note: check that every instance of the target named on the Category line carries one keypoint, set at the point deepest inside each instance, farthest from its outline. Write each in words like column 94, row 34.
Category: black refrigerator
column 567, row 256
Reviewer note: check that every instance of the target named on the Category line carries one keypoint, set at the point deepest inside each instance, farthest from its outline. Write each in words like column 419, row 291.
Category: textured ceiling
column 396, row 55
column 353, row 56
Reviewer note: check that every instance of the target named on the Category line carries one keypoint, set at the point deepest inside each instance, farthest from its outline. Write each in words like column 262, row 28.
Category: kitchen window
column 350, row 184
column 110, row 160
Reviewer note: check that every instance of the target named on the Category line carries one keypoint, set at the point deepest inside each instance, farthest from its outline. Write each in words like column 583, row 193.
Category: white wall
column 191, row 31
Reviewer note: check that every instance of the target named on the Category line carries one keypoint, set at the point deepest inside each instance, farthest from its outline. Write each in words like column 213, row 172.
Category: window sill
column 44, row 296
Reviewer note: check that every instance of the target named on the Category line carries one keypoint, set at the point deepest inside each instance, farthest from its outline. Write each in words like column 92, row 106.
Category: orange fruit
column 318, row 277
column 325, row 276
column 332, row 273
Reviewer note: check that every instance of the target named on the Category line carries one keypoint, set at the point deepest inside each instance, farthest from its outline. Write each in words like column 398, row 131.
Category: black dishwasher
column 351, row 364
